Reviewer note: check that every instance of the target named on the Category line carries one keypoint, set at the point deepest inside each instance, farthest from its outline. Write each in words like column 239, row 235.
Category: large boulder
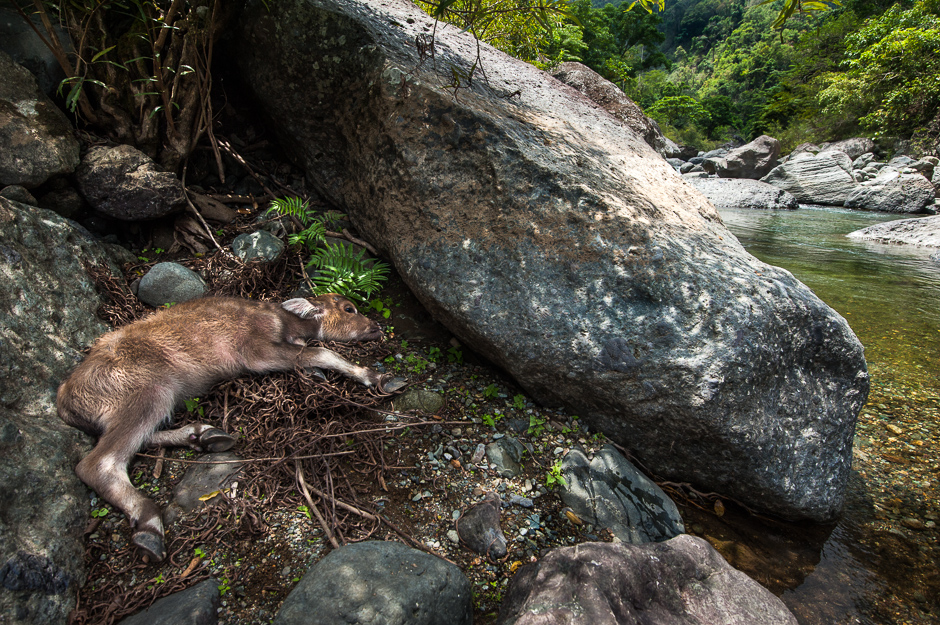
column 555, row 242
column 124, row 183
column 682, row 581
column 734, row 193
column 853, row 148
column 824, row 178
column 924, row 231
column 379, row 582
column 612, row 99
column 752, row 161
column 47, row 317
column 37, row 139
column 893, row 192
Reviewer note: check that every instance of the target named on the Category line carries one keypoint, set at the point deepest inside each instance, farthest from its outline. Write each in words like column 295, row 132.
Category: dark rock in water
column 682, row 581
column 612, row 99
column 201, row 480
column 379, row 583
column 124, row 183
column 732, row 193
column 611, row 493
column 556, row 243
column 47, row 318
column 479, row 530
column 194, row 606
column 924, row 231
column 167, row 283
column 36, row 138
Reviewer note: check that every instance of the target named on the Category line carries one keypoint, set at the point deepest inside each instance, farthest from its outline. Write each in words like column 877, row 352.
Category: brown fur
column 134, row 377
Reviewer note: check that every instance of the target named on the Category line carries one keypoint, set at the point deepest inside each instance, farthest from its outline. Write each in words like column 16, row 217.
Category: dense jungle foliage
column 713, row 70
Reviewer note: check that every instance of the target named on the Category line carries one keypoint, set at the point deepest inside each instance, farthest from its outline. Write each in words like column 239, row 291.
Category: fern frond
column 341, row 270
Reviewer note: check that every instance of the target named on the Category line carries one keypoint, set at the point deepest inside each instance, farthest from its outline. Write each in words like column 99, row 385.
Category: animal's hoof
column 150, row 544
column 317, row 372
column 393, row 384
column 215, row 440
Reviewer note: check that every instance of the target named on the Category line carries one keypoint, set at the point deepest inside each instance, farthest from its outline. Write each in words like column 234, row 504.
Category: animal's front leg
column 322, row 358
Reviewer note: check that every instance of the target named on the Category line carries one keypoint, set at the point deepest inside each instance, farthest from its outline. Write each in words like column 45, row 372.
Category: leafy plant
column 380, row 306
column 305, row 510
column 341, row 270
column 518, row 402
column 489, row 420
column 192, row 406
column 224, row 586
column 491, row 391
column 99, row 513
column 454, row 355
column 434, row 354
column 554, row 477
column 536, row 425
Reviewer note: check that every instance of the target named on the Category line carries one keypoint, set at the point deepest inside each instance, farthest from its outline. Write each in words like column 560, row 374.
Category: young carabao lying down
column 134, row 377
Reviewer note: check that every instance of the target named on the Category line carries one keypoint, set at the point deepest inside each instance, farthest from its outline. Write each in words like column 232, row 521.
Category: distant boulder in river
column 555, row 242
column 824, row 178
column 734, row 193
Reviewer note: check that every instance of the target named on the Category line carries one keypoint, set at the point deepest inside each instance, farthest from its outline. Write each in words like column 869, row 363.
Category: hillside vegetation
column 713, row 70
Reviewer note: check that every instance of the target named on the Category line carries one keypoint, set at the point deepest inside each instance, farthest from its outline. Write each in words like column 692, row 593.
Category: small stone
column 498, row 436
column 893, row 428
column 478, row 453
column 453, row 537
column 914, row 524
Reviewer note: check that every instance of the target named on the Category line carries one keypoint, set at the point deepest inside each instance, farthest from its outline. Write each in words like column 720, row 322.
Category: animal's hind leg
column 199, row 436
column 105, row 470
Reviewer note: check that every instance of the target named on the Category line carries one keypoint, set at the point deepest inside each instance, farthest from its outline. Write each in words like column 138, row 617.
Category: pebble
column 478, row 453
column 525, row 502
column 498, row 436
column 453, row 537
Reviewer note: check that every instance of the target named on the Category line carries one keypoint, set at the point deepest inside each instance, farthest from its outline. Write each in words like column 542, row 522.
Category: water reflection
column 870, row 568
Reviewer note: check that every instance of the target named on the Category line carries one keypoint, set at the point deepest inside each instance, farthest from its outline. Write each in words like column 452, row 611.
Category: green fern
column 341, row 270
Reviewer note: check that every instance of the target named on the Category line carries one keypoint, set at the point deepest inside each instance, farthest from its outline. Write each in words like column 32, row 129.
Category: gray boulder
column 379, row 583
column 201, row 480
column 863, row 161
column 505, row 456
column 260, row 245
column 893, row 192
column 923, row 231
column 124, row 183
column 36, row 138
column 47, row 317
column 853, row 148
column 824, row 178
column 170, row 283
column 555, row 242
column 612, row 99
column 194, row 606
column 610, row 492
column 732, row 193
column 19, row 40
column 752, row 161
column 478, row 528
column 682, row 581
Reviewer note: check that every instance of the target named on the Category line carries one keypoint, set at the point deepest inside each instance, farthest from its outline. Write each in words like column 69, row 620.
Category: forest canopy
column 713, row 70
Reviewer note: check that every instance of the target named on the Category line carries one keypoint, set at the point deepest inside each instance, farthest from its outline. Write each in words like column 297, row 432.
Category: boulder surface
column 923, row 231
column 734, row 193
column 37, row 139
column 554, row 241
column 682, row 581
column 752, row 160
column 612, row 99
column 824, row 178
column 47, row 317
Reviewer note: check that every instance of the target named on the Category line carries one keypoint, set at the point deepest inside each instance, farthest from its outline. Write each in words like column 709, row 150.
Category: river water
column 879, row 564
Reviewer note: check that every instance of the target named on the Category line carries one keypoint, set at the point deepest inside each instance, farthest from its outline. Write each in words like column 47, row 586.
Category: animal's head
column 338, row 317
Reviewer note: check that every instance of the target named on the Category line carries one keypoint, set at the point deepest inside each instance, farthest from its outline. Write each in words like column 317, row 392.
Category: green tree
column 891, row 77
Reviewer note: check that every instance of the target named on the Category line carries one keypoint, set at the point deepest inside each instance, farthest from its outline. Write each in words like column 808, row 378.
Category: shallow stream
column 879, row 564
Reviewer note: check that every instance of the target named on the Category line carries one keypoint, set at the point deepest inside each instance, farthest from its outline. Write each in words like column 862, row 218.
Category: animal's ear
column 303, row 308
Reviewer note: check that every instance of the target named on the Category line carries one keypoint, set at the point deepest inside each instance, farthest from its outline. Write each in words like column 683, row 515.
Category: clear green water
column 872, row 568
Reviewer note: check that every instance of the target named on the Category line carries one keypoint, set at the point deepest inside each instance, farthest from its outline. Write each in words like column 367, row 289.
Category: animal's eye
column 350, row 309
